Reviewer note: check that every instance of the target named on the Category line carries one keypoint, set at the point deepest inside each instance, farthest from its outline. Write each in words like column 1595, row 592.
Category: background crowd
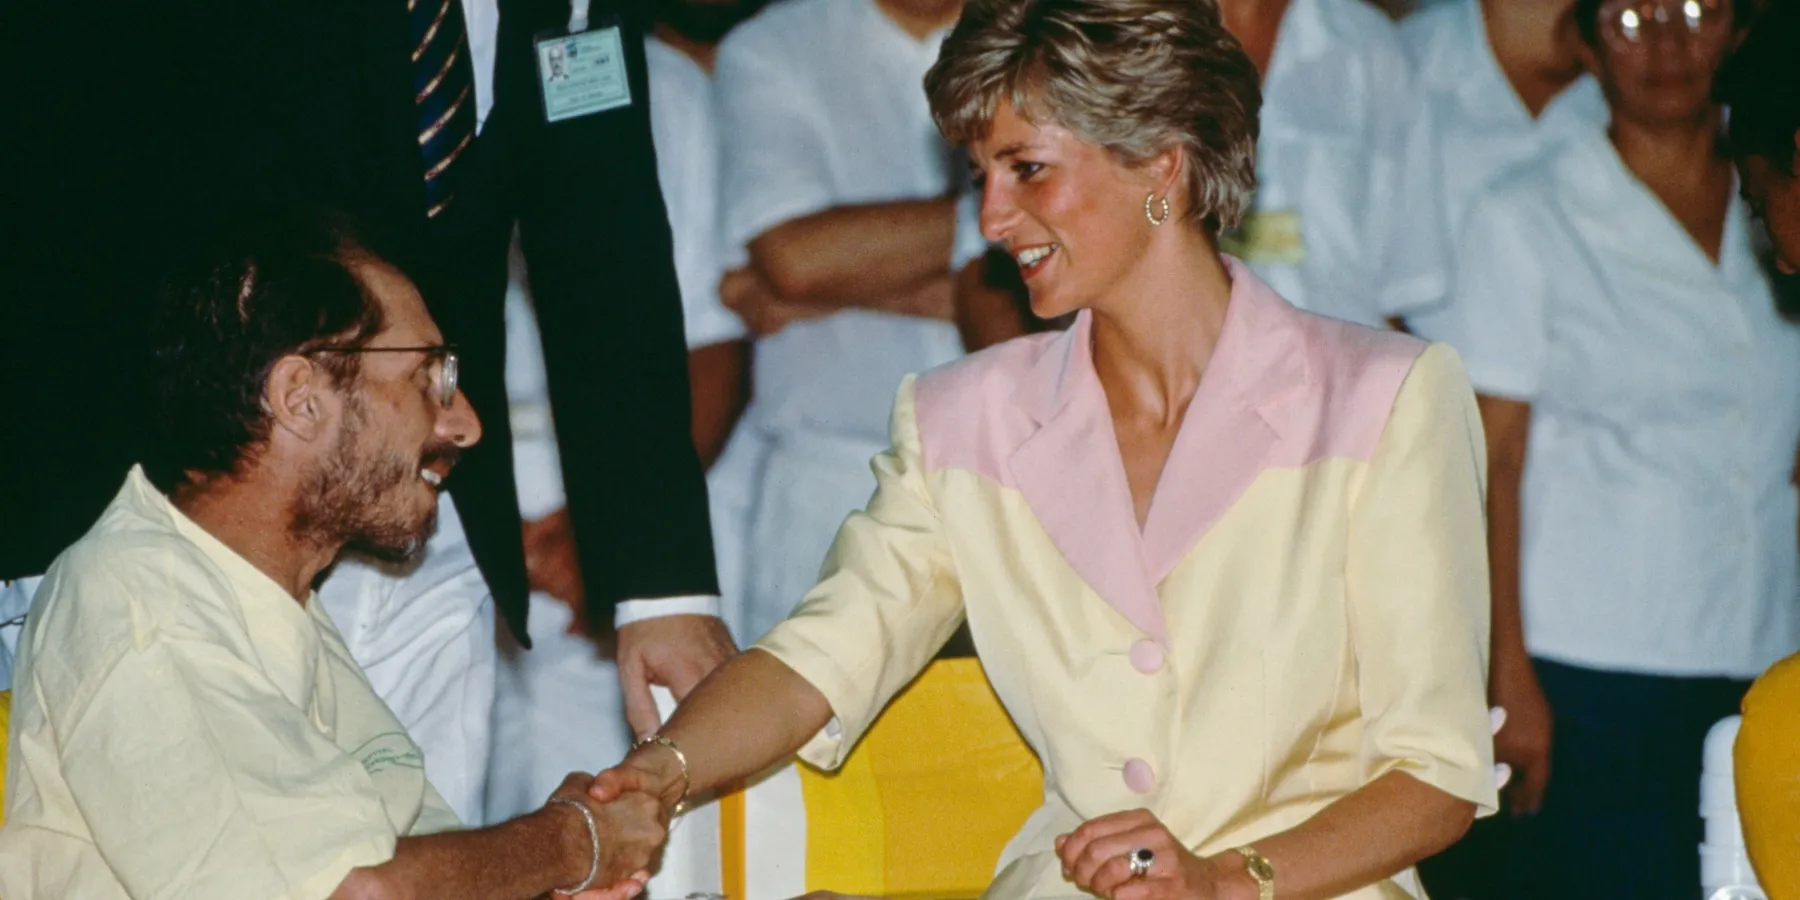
column 1541, row 184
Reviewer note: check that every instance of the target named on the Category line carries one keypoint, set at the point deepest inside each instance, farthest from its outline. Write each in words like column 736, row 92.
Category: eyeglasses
column 1628, row 24
column 443, row 373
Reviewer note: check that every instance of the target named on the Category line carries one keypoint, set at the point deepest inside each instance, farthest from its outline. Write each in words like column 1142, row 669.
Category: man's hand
column 1523, row 742
column 552, row 566
column 673, row 651
column 632, row 828
column 745, row 292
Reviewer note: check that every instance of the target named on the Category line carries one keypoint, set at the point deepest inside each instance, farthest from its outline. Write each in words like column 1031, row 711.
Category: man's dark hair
column 271, row 284
column 1760, row 84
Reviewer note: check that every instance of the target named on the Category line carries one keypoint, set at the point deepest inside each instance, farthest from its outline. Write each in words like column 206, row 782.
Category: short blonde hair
column 1134, row 76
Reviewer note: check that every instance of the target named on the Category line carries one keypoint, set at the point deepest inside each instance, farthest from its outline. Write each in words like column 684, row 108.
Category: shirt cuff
column 638, row 610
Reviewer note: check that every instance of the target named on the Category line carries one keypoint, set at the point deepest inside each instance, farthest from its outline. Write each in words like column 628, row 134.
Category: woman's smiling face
column 1070, row 213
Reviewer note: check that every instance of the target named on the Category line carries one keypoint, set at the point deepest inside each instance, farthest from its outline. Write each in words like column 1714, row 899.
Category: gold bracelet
column 680, row 757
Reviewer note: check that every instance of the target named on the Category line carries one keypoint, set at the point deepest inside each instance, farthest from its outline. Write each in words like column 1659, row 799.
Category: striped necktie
column 444, row 92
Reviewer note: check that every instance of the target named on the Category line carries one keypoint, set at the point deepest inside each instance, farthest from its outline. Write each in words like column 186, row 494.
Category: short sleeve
column 1496, row 314
column 774, row 164
column 887, row 599
column 1417, row 582
column 233, row 791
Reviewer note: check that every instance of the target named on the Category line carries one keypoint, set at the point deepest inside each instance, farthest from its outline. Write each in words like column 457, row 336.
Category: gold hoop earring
column 1154, row 221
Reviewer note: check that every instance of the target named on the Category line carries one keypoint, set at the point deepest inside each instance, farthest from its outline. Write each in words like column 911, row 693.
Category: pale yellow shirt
column 183, row 728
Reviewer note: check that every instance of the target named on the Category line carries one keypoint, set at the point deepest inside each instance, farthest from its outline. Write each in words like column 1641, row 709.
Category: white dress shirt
column 1658, row 507
column 1343, row 224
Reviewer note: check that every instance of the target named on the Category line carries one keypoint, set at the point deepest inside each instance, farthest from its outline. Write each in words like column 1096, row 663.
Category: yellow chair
column 922, row 807
column 1766, row 764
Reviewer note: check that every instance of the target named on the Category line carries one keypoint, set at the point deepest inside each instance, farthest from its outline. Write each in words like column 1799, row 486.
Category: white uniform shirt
column 1658, row 506
column 1481, row 127
column 1343, row 222
column 821, row 105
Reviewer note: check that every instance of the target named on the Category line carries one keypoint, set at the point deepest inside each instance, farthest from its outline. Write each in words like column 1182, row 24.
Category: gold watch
column 1260, row 869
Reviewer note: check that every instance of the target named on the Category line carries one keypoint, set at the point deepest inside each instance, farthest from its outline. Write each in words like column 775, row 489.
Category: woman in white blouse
column 1642, row 402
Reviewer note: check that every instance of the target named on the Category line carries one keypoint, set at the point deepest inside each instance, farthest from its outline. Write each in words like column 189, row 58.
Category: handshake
column 616, row 822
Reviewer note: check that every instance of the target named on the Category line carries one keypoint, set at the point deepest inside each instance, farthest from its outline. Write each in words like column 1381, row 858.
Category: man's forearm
column 525, row 858
column 856, row 255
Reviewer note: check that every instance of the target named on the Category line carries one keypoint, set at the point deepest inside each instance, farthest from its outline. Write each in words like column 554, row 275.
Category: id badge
column 581, row 73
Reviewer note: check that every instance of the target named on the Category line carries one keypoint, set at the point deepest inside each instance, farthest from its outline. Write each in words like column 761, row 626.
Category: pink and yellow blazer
column 1304, row 610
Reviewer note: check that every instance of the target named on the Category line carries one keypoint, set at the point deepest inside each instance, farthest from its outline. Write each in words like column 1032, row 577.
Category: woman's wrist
column 666, row 771
column 1230, row 877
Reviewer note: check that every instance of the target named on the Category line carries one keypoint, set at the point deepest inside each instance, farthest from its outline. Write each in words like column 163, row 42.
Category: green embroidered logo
column 388, row 750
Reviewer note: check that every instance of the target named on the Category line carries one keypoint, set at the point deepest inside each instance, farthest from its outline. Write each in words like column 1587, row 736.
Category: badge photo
column 582, row 73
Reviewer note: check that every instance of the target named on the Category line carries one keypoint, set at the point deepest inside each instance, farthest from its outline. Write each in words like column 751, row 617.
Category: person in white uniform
column 559, row 704
column 1642, row 403
column 1343, row 222
column 836, row 181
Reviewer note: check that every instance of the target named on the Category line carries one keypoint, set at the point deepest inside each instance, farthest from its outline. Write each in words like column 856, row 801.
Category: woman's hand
column 1094, row 857
column 650, row 769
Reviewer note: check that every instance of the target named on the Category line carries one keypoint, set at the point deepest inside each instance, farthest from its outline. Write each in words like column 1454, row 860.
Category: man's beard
column 360, row 501
column 705, row 23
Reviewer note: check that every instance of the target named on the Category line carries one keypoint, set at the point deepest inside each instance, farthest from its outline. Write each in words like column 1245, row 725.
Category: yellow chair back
column 923, row 806
column 1766, row 766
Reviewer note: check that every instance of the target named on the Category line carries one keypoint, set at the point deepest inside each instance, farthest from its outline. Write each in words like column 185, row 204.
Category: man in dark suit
column 427, row 121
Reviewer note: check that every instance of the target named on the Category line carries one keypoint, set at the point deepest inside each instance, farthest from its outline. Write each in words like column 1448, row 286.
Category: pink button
column 1138, row 776
column 1147, row 656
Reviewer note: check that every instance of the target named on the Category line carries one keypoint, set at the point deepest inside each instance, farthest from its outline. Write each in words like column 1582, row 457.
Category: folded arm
column 892, row 256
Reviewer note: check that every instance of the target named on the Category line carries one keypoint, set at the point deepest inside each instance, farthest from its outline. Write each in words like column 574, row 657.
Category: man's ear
column 294, row 397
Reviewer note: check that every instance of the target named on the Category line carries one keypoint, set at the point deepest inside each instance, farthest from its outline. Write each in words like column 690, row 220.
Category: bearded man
column 187, row 722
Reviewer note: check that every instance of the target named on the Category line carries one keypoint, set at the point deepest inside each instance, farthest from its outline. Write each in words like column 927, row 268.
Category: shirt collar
column 144, row 500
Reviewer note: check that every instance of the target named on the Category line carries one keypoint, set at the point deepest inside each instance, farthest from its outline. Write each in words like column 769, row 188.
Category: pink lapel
column 1070, row 472
column 1233, row 422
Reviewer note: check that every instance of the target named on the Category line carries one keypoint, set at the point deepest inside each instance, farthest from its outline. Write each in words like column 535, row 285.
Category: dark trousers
column 1621, row 815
